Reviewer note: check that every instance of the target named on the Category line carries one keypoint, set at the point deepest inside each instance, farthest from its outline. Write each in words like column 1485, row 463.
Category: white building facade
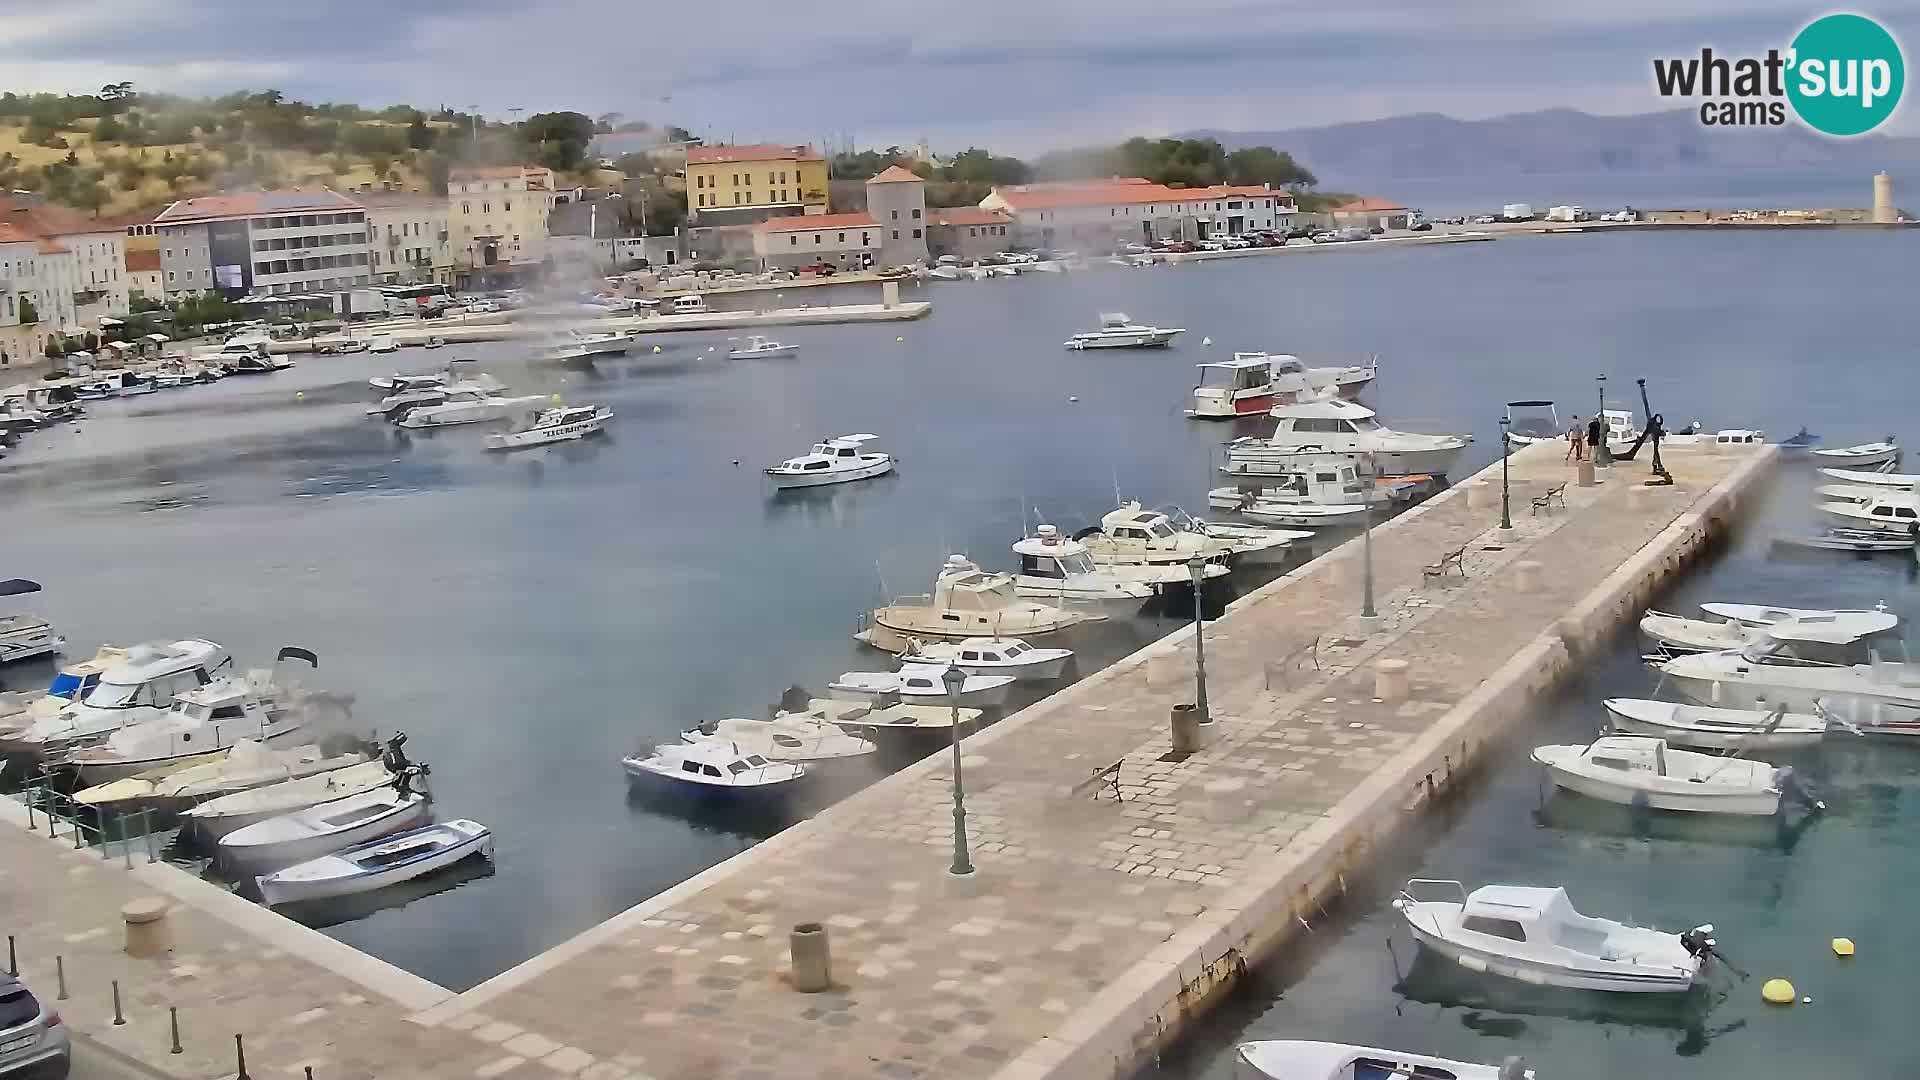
column 1098, row 214
column 842, row 241
column 497, row 219
column 275, row 242
column 409, row 236
column 20, row 342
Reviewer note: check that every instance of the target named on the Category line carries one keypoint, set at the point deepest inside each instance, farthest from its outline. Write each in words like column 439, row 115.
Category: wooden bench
column 1107, row 779
column 1452, row 560
column 1545, row 500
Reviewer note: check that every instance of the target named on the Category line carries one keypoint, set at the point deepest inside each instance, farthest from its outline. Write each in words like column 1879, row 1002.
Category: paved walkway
column 934, row 979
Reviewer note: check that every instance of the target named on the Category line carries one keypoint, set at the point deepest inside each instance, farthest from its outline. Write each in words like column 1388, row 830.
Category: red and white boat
column 1247, row 385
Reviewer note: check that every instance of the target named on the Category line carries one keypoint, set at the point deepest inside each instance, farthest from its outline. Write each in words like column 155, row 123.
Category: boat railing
column 61, row 817
column 1411, row 891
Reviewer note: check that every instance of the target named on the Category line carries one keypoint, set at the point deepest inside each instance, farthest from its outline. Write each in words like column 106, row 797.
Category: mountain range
column 1562, row 141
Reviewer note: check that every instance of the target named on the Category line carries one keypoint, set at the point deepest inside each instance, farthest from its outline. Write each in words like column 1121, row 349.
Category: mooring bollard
column 78, row 841
column 1184, row 728
column 146, row 922
column 1583, row 472
column 118, row 1019
column 240, row 1057
column 1526, row 576
column 60, row 977
column 13, row 961
column 812, row 962
column 173, row 1027
column 1390, row 679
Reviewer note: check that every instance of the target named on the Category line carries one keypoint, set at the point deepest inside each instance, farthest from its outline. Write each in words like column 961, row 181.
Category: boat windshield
column 1077, row 563
column 108, row 695
column 1365, row 423
column 70, row 686
column 1160, row 530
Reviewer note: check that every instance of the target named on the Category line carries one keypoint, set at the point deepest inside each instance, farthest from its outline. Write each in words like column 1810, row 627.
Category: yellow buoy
column 299, row 394
column 900, row 339
column 556, row 399
column 656, row 348
column 1777, row 992
column 1842, row 946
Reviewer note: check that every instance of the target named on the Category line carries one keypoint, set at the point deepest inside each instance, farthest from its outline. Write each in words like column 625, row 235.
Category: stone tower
column 897, row 199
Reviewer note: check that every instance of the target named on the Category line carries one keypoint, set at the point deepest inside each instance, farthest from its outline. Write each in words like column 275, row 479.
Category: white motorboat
column 1635, row 770
column 1883, row 452
column 468, row 408
column 878, row 722
column 579, row 345
column 416, row 392
column 1769, row 614
column 1696, row 439
column 21, row 709
column 831, row 461
column 1879, row 697
column 1538, row 422
column 139, row 687
column 326, row 828
column 713, row 769
column 1346, row 427
column 967, row 603
column 1903, row 481
column 382, row 343
column 207, row 718
column 1118, row 331
column 991, row 656
column 918, row 684
column 1298, row 1059
column 791, row 738
column 1329, row 493
column 1053, row 567
column 241, row 767
column 947, row 273
column 1716, row 729
column 544, row 426
column 1343, row 380
column 374, row 865
column 399, row 382
column 762, row 348
column 1884, row 509
column 689, row 304
column 435, row 342
column 220, row 816
column 1245, row 386
column 1534, row 935
column 1305, row 514
column 1673, row 634
column 23, row 636
column 1131, row 534
column 1857, row 541
column 1796, row 445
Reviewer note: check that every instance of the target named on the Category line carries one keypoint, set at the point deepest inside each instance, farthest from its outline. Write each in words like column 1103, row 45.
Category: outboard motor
column 1513, row 1069
column 1792, row 788
column 395, row 755
column 1699, row 941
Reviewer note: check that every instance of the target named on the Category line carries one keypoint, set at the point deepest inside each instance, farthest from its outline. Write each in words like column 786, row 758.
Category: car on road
column 818, row 269
column 1420, row 226
column 33, row 1042
column 1485, row 219
column 482, row 307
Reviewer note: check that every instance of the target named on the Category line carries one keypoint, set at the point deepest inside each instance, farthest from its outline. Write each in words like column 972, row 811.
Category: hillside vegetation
column 120, row 150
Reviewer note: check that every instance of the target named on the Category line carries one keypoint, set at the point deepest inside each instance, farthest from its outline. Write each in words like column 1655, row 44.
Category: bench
column 1107, row 779
column 1452, row 560
column 1545, row 500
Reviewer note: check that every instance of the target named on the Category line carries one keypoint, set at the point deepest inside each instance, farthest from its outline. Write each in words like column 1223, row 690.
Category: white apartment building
column 1097, row 214
column 274, row 242
column 20, row 343
column 409, row 237
column 75, row 277
column 497, row 220
column 843, row 241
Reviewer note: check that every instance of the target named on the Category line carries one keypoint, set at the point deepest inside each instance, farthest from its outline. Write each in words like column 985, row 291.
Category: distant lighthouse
column 1883, row 212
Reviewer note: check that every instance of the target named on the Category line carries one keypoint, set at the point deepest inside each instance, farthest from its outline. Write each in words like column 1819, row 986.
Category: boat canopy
column 849, row 442
column 18, row 587
column 1838, row 628
column 1110, row 319
column 1324, row 408
column 1532, row 404
column 1241, row 360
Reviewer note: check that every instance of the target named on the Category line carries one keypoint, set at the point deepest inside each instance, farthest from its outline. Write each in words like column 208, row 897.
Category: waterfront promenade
column 1092, row 926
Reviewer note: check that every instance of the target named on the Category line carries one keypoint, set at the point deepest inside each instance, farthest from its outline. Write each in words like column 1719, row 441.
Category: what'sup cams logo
column 1842, row 76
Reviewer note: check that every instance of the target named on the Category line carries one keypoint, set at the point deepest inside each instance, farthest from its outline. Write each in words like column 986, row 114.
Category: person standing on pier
column 1596, row 436
column 1577, row 441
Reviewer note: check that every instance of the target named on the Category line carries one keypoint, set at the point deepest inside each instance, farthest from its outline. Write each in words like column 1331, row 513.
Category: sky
column 1017, row 75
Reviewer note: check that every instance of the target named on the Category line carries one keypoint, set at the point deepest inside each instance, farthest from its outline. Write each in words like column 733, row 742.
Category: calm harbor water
column 529, row 618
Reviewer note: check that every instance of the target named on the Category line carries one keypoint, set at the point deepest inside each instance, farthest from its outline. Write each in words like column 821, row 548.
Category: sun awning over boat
column 18, row 587
column 1529, row 404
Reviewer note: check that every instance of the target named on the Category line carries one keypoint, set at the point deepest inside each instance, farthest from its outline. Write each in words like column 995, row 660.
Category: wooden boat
column 374, row 865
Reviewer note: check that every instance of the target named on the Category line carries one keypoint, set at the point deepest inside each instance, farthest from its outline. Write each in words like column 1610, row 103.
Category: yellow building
column 497, row 221
column 740, row 185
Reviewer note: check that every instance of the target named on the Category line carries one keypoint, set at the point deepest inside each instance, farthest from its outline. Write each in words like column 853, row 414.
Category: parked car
column 481, row 307
column 1179, row 245
column 1327, row 237
column 1485, row 219
column 818, row 269
column 1301, row 232
column 33, row 1042
column 1421, row 226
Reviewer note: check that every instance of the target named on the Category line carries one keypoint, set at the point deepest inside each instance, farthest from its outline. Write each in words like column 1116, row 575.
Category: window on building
column 842, row 239
column 866, row 239
column 916, row 234
column 169, row 253
column 258, row 268
column 736, row 198
column 816, row 238
column 486, row 208
column 466, row 208
column 896, row 234
column 506, row 205
column 793, row 241
column 895, row 213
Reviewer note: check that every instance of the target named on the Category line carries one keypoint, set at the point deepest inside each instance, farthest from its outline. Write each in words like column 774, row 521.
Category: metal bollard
column 60, row 976
column 118, row 1019
column 173, row 1026
column 29, row 801
column 308, row 1069
column 77, row 843
column 240, row 1056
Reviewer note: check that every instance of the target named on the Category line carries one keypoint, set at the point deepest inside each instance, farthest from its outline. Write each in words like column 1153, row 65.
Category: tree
column 54, row 349
column 91, row 342
column 419, row 135
column 676, row 133
column 438, row 168
column 117, row 97
column 557, row 140
column 89, row 195
column 109, row 130
column 1265, row 165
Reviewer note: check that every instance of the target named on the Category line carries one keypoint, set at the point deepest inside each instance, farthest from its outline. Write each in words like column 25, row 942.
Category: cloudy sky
column 1020, row 74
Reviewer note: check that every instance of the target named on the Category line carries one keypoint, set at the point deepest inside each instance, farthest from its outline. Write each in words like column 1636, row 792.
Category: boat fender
column 1777, row 992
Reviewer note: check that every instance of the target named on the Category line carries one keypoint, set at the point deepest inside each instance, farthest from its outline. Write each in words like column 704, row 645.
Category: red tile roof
column 142, row 261
column 13, row 234
column 1119, row 191
column 47, row 245
column 249, row 203
column 494, row 172
column 810, row 222
column 967, row 215
column 46, row 219
column 897, row 174
column 717, row 155
column 1367, row 205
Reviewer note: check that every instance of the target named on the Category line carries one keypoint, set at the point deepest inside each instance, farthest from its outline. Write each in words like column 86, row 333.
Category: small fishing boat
column 966, row 602
column 1875, row 478
column 1879, row 697
column 436, row 342
column 1883, row 452
column 796, row 739
column 1131, row 534
column 1535, row 935
column 1299, row 1059
column 545, row 426
column 1707, row 728
column 466, row 407
column 888, row 721
column 712, row 769
column 379, row 863
column 919, row 684
column 1876, row 509
column 211, row 717
column 328, row 827
column 762, row 348
column 991, row 656
column 1642, row 770
column 23, row 636
column 1118, row 331
column 1858, row 541
column 1797, row 444
column 1247, row 385
column 578, row 345
column 242, row 767
column 1674, row 635
column 139, row 686
column 1769, row 614
column 831, row 461
column 1053, row 567
column 1538, row 422
column 399, row 382
column 220, row 816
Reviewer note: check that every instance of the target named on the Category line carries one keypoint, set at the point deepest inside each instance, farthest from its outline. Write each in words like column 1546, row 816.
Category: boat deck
column 1092, row 927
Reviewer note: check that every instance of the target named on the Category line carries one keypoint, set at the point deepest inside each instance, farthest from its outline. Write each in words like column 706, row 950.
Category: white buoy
column 1206, row 341
column 1073, row 399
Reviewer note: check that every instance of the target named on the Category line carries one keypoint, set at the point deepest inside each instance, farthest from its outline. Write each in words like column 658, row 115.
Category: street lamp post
column 1197, row 569
column 1366, row 544
column 1602, row 454
column 954, row 679
column 1506, row 454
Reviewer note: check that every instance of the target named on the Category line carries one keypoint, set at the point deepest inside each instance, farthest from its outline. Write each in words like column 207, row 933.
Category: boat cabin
column 152, row 675
column 690, row 304
column 1739, row 437
column 1840, row 639
column 222, row 699
column 1629, row 753
column 1246, row 371
column 841, row 451
column 962, row 586
column 1133, row 523
column 978, row 650
column 1047, row 554
column 1328, row 417
column 1524, row 913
